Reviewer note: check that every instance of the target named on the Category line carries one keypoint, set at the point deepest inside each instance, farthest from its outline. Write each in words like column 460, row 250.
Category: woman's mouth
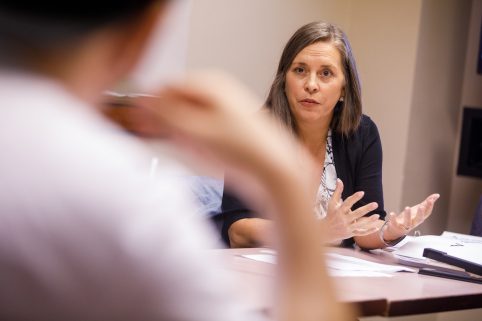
column 308, row 102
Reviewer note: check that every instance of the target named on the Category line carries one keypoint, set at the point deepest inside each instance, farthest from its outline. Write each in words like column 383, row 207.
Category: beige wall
column 384, row 39
column 434, row 106
column 411, row 57
column 246, row 37
column 466, row 191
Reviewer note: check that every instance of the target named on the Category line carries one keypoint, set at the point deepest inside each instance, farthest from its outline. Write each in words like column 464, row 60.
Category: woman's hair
column 347, row 114
column 27, row 26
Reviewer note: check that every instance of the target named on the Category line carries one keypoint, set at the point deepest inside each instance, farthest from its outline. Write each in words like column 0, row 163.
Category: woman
column 84, row 234
column 316, row 95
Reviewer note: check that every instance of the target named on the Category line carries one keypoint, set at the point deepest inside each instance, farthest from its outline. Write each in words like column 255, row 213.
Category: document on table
column 342, row 265
column 465, row 247
column 463, row 237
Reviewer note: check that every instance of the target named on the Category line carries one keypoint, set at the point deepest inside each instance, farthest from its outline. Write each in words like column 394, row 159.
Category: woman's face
column 314, row 83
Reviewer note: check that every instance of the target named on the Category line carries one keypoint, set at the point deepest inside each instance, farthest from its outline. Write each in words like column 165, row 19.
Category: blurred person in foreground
column 84, row 233
column 316, row 94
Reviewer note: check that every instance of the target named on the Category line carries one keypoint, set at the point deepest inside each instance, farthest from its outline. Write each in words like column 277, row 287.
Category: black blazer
column 358, row 163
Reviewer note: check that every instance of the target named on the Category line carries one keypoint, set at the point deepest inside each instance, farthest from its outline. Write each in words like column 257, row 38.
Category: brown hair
column 347, row 116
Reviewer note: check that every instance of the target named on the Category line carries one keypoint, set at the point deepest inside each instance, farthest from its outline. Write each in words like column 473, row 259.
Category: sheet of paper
column 372, row 274
column 266, row 258
column 464, row 248
column 342, row 265
column 349, row 263
column 463, row 237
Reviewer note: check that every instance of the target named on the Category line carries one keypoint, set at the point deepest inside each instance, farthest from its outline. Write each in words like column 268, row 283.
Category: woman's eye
column 299, row 70
column 326, row 73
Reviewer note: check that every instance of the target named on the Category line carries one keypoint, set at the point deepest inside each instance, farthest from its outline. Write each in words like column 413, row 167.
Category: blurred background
column 417, row 61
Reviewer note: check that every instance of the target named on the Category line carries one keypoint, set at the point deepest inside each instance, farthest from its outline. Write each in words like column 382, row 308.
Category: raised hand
column 411, row 217
column 342, row 223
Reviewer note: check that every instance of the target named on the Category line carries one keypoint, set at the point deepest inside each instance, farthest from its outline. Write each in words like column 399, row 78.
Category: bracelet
column 392, row 242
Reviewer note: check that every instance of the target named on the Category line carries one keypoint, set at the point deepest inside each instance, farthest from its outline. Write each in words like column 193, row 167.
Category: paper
column 372, row 274
column 349, row 263
column 463, row 237
column 266, row 258
column 342, row 265
column 458, row 245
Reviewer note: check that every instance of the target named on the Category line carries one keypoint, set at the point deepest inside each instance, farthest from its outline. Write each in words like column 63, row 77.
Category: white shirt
column 84, row 233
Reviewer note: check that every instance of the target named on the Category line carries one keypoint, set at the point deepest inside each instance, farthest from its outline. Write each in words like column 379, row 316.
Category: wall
column 466, row 191
column 434, row 108
column 384, row 39
column 246, row 37
column 415, row 92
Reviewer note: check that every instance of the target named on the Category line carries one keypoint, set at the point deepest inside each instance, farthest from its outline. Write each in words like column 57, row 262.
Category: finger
column 392, row 218
column 363, row 232
column 407, row 218
column 430, row 204
column 428, row 207
column 351, row 200
column 367, row 227
column 419, row 216
column 366, row 222
column 363, row 210
column 394, row 222
column 404, row 220
column 336, row 197
column 434, row 197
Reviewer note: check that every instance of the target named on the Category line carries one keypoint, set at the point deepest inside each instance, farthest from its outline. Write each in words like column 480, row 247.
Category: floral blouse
column 328, row 181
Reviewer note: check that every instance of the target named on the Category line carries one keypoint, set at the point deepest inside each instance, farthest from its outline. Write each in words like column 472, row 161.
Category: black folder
column 468, row 266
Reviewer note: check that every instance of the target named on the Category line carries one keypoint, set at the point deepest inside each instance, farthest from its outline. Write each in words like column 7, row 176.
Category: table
column 403, row 294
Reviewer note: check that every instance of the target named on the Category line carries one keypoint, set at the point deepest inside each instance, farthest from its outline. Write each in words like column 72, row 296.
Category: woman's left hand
column 411, row 217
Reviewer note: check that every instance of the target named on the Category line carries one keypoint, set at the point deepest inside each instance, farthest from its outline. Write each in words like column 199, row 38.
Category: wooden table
column 403, row 294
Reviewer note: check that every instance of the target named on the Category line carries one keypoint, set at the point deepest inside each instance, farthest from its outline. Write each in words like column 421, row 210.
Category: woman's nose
column 311, row 84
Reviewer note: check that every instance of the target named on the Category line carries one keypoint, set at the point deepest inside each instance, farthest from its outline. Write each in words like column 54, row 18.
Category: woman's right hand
column 342, row 223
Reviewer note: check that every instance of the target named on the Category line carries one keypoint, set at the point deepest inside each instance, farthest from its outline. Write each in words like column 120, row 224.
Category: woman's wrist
column 387, row 237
